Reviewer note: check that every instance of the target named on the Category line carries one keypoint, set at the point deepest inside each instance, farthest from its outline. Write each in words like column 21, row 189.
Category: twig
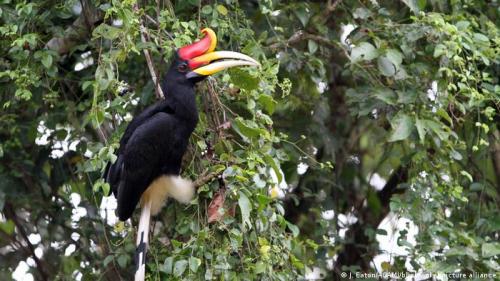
column 77, row 31
column 11, row 214
column 144, row 33
column 300, row 35
column 206, row 178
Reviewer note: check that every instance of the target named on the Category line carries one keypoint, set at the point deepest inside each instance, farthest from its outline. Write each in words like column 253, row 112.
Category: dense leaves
column 363, row 113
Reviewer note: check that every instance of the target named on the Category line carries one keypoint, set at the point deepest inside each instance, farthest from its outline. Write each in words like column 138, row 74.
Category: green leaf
column 260, row 267
column 245, row 208
column 7, row 227
column 107, row 31
column 462, row 251
column 439, row 50
column 481, row 37
column 47, row 60
column 386, row 95
column 437, row 128
column 179, row 267
column 361, row 13
column 167, row 265
column 415, row 5
column 489, row 250
column 467, row 175
column 395, row 56
column 302, row 14
column 207, row 9
column 108, row 259
column 293, row 228
column 222, row 10
column 246, row 128
column 122, row 260
column 270, row 161
column 312, row 46
column 420, row 129
column 194, row 264
column 268, row 103
column 402, row 126
column 386, row 67
column 365, row 51
column 243, row 80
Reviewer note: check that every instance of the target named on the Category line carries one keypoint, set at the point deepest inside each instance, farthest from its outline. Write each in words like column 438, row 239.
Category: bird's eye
column 182, row 67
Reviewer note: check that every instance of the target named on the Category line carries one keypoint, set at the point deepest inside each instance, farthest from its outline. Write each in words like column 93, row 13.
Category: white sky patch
column 315, row 273
column 77, row 275
column 70, row 250
column 277, row 189
column 39, row 252
column 56, row 245
column 354, row 159
column 447, row 212
column 342, row 232
column 34, row 238
column 388, row 243
column 302, row 168
column 346, row 30
column 30, row 262
column 445, row 177
column 87, row 60
column 328, row 214
column 346, row 220
column 275, row 13
column 107, row 209
column 432, row 92
column 77, row 8
column 21, row 272
column 77, row 212
column 75, row 236
column 321, row 86
column 75, row 199
column 117, row 22
column 43, row 134
column 377, row 181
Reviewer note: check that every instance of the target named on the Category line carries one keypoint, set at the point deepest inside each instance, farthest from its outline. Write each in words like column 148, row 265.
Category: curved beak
column 203, row 61
column 214, row 62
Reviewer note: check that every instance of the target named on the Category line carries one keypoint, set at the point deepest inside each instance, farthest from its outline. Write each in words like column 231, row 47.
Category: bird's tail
column 166, row 186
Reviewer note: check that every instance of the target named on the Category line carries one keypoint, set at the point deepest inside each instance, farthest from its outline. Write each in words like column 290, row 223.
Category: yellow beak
column 219, row 61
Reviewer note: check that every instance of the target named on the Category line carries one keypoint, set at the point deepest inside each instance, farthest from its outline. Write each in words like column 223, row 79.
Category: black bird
column 152, row 147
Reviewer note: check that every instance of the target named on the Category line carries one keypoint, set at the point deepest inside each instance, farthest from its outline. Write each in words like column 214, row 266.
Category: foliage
column 411, row 95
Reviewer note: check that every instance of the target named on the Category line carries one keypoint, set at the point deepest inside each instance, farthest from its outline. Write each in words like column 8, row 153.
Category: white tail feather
column 163, row 187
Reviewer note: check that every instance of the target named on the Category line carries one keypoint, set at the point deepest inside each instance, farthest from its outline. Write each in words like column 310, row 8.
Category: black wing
column 112, row 173
column 150, row 150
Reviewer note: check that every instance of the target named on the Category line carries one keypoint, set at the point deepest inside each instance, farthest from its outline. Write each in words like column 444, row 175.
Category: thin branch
column 154, row 76
column 301, row 35
column 206, row 178
column 11, row 214
column 77, row 31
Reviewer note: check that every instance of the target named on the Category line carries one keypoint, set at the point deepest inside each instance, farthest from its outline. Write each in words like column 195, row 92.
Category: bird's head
column 200, row 60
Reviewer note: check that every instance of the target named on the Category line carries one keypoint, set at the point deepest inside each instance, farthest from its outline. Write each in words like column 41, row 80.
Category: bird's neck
column 182, row 99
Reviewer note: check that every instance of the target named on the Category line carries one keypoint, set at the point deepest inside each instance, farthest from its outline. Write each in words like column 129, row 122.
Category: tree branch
column 301, row 35
column 206, row 178
column 357, row 250
column 78, row 30
column 154, row 76
column 10, row 214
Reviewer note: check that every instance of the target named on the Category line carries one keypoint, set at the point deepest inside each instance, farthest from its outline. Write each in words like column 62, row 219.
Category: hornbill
column 151, row 149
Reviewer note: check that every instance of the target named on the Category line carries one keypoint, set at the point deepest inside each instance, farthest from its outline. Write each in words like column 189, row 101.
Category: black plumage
column 155, row 141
